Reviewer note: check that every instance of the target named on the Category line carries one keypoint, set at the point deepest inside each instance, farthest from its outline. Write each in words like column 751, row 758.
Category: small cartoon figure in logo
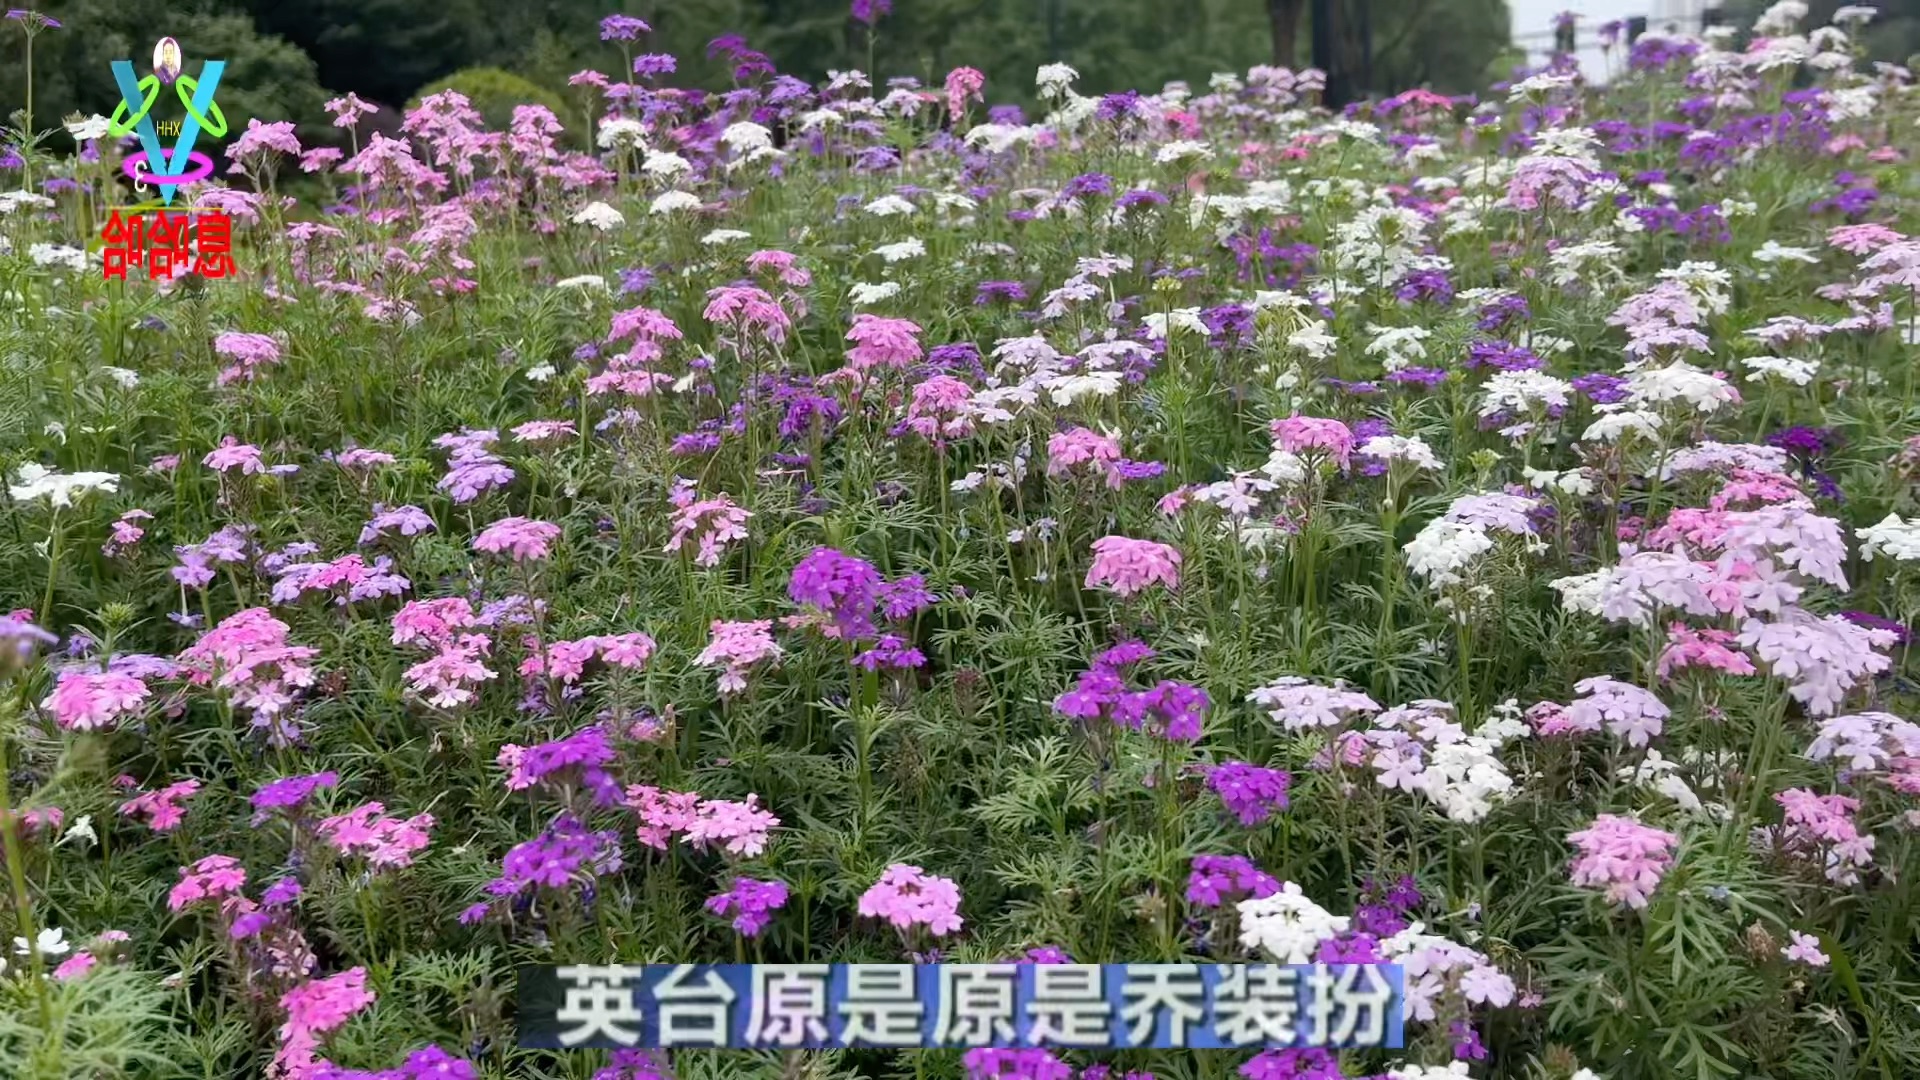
column 166, row 60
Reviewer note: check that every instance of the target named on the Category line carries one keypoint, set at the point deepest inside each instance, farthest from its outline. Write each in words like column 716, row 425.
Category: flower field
column 852, row 522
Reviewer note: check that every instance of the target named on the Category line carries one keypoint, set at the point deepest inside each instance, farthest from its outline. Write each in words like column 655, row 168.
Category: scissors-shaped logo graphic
column 183, row 165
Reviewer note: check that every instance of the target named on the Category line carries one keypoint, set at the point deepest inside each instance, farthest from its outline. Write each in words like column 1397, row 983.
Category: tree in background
column 285, row 58
column 267, row 77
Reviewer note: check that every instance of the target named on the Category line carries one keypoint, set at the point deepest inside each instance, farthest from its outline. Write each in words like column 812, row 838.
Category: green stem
column 45, row 614
column 17, row 868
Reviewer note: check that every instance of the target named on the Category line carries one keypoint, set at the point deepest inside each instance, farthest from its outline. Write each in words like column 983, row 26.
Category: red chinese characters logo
column 168, row 242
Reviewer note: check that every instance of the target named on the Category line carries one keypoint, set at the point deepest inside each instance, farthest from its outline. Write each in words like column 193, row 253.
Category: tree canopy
column 283, row 58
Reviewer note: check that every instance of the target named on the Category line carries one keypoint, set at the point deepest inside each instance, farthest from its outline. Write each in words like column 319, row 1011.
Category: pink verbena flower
column 313, row 1009
column 447, row 680
column 349, row 578
column 346, row 111
column 740, row 827
column 212, row 878
column 359, row 457
column 247, row 656
column 717, row 522
column 784, row 264
column 883, row 343
column 539, row 431
column 1626, row 710
column 91, row 701
column 1314, row 434
column 1711, row 649
column 567, row 660
column 248, row 353
column 75, row 966
column 737, row 646
column 1081, row 446
column 748, row 310
column 369, row 833
column 663, row 814
column 642, row 324
column 941, row 409
column 433, row 622
column 1622, row 857
column 161, row 808
column 1128, row 566
column 963, row 83
column 234, row 454
column 126, row 533
column 517, row 537
column 1804, row 949
column 1821, row 827
column 908, row 896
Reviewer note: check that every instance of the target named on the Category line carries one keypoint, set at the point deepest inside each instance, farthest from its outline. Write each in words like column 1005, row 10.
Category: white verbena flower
column 36, row 481
column 1786, row 369
column 1680, row 382
column 50, row 941
column 600, row 216
column 1896, row 538
column 622, row 133
column 1407, row 448
column 864, row 293
column 1773, row 251
column 1524, row 391
column 670, row 201
column 666, row 164
column 900, row 250
column 1053, row 79
column 746, row 136
column 1614, row 422
column 889, row 206
column 81, row 829
column 92, row 127
column 1442, row 550
column 1288, row 925
column 1182, row 150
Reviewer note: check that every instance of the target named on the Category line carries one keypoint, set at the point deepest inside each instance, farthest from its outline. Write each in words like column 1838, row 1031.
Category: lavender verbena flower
column 288, row 793
column 994, row 1064
column 1251, row 792
column 565, row 857
column 840, row 586
column 1217, row 880
column 751, row 903
column 1302, row 1064
column 20, row 641
column 906, row 597
column 622, row 28
column 576, row 759
column 1601, row 388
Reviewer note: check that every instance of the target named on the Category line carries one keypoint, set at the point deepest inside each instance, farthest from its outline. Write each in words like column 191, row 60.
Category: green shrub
column 495, row 93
